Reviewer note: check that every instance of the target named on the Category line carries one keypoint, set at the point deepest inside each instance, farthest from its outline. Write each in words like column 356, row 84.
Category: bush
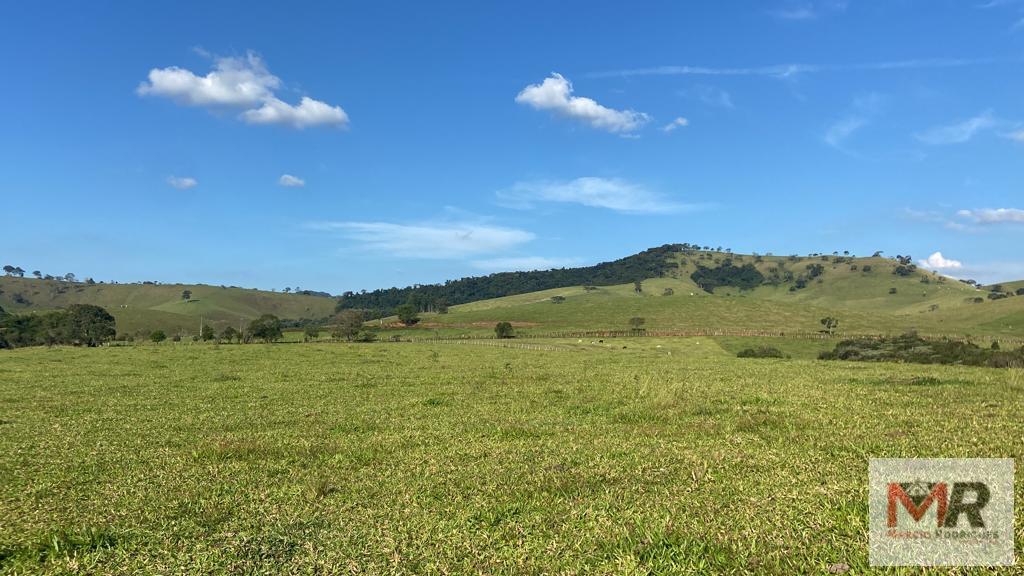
column 912, row 348
column 761, row 352
column 157, row 336
column 365, row 336
column 504, row 330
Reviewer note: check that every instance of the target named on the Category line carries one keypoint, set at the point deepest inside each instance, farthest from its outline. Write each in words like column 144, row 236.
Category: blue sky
column 349, row 145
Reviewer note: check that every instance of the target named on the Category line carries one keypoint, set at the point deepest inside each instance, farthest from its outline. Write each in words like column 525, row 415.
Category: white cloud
column 309, row 112
column 555, row 95
column 611, row 193
column 710, row 95
column 1017, row 135
column 993, row 215
column 244, row 83
column 525, row 263
column 937, row 262
column 959, row 132
column 289, row 181
column 236, row 82
column 679, row 122
column 792, row 69
column 808, row 10
column 430, row 240
column 182, row 182
column 838, row 132
column 864, row 109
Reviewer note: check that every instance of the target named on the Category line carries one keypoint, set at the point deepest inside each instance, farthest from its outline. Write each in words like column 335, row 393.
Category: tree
column 286, row 290
column 668, row 292
column 407, row 314
column 892, row 290
column 19, row 272
column 9, row 270
column 37, row 274
column 157, row 336
column 637, row 323
column 504, row 330
column 229, row 334
column 311, row 333
column 69, row 277
column 830, row 324
column 206, row 333
column 638, row 286
column 557, row 299
column 88, row 325
column 267, row 328
column 347, row 324
column 186, row 294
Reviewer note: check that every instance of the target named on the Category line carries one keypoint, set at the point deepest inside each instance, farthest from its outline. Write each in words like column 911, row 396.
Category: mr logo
column 966, row 499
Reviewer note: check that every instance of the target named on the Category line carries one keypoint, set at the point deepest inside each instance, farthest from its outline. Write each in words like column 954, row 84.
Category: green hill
column 868, row 295
column 140, row 308
column 683, row 288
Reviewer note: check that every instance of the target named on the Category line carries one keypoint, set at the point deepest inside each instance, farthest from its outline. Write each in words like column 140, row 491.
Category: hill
column 791, row 293
column 141, row 308
column 653, row 262
column 682, row 287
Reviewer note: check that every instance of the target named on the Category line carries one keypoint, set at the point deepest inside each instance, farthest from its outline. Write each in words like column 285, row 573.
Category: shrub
column 157, row 336
column 365, row 336
column 504, row 330
column 912, row 348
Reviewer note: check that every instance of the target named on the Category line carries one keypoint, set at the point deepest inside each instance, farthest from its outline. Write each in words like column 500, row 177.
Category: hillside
column 683, row 287
column 868, row 295
column 140, row 308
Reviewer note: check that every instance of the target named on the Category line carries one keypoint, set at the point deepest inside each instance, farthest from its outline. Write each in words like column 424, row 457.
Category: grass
column 639, row 456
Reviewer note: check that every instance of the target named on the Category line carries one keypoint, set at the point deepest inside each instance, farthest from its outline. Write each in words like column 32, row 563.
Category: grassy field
column 636, row 456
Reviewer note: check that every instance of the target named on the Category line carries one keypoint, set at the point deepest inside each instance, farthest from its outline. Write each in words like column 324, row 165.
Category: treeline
column 78, row 325
column 651, row 263
column 912, row 348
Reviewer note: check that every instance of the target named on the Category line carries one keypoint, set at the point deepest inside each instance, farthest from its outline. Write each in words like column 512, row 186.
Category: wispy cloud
column 241, row 83
column 182, row 182
column 611, row 193
column 959, row 132
column 993, row 215
column 802, row 11
column 679, row 122
column 938, row 262
column 792, row 69
column 554, row 94
column 709, row 95
column 432, row 240
column 864, row 109
column 289, row 181
column 524, row 263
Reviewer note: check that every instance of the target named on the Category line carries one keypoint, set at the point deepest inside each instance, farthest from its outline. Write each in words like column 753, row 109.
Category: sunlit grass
column 628, row 456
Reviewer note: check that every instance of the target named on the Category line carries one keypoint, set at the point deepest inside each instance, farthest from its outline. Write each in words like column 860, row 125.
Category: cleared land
column 632, row 456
